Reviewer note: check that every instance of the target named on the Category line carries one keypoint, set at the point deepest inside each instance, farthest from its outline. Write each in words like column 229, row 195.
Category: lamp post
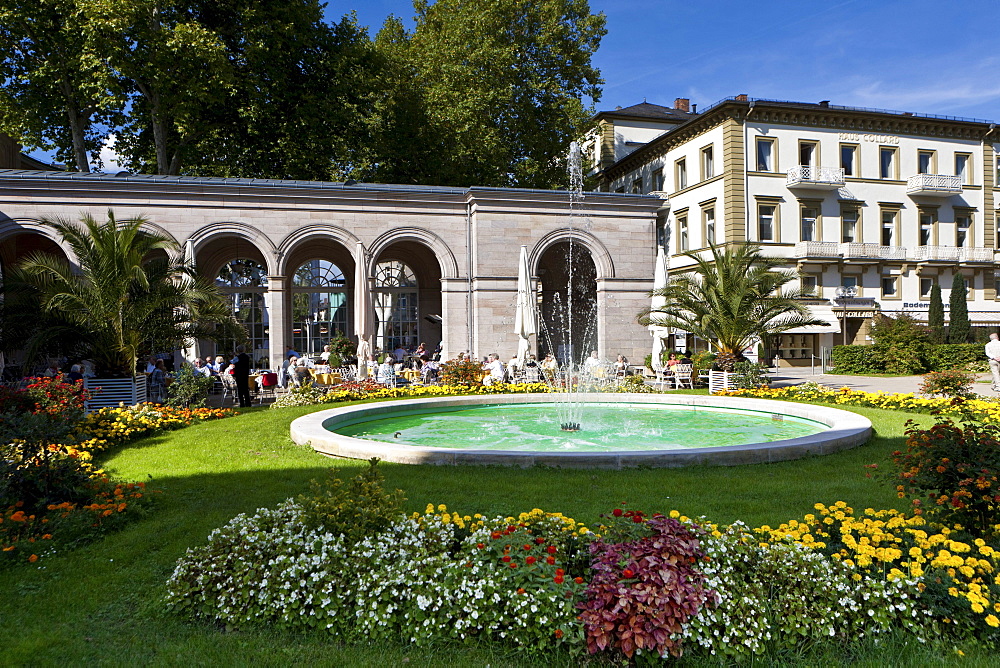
column 843, row 294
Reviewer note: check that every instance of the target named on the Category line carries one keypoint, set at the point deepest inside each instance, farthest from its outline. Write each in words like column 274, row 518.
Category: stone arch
column 598, row 251
column 446, row 259
column 12, row 227
column 205, row 237
column 321, row 232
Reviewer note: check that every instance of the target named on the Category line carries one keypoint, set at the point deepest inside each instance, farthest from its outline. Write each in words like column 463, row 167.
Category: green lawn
column 102, row 604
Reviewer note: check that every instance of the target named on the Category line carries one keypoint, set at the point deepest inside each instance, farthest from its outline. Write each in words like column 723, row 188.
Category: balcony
column 815, row 178
column 975, row 255
column 872, row 252
column 804, row 249
column 938, row 253
column 934, row 185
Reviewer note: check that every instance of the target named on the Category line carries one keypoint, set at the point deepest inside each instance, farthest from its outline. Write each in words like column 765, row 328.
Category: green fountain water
column 608, row 427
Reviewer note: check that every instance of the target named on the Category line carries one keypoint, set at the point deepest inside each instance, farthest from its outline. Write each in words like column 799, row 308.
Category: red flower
column 578, row 580
column 530, row 560
column 550, row 560
column 558, row 579
column 551, row 549
column 527, row 547
column 512, row 528
column 617, row 512
column 513, row 564
column 520, row 590
column 636, row 518
column 558, row 633
column 505, row 558
column 560, row 571
column 495, row 535
column 480, row 545
column 539, row 540
column 628, row 573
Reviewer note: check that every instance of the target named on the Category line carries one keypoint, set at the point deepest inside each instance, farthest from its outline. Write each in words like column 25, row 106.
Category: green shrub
column 749, row 375
column 856, row 359
column 948, row 383
column 356, row 509
column 917, row 357
column 957, row 356
column 465, row 371
column 189, row 389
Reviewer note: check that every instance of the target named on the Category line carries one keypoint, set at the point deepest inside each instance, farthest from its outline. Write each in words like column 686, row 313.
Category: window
column 708, row 215
column 996, row 177
column 681, row 174
column 765, row 155
column 808, row 153
column 809, row 227
column 849, row 225
column 962, row 167
column 849, row 159
column 682, row 232
column 925, row 162
column 963, row 225
column 887, row 162
column 657, row 180
column 637, row 186
column 925, row 287
column 319, row 305
column 889, row 220
column 851, row 282
column 243, row 282
column 926, row 228
column 620, row 190
column 707, row 163
column 662, row 231
column 765, row 221
column 890, row 287
column 809, row 285
column 396, row 297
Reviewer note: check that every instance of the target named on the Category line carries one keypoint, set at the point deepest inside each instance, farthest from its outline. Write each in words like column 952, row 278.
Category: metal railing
column 809, row 175
column 933, row 183
column 816, row 249
column 862, row 250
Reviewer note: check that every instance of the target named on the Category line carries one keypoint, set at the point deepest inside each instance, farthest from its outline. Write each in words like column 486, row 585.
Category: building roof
column 647, row 111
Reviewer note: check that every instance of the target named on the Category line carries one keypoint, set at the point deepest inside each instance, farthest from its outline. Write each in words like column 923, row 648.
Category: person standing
column 993, row 354
column 241, row 372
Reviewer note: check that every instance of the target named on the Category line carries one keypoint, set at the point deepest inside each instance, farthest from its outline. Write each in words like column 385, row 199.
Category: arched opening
column 320, row 305
column 567, row 302
column 244, row 282
column 407, row 296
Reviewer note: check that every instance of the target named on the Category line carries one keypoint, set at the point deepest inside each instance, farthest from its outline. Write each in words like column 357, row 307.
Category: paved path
column 795, row 376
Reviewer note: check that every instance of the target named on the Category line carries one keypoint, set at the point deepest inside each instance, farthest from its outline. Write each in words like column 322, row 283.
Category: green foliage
column 126, row 298
column 935, row 315
column 356, row 509
column 959, row 326
column 189, row 389
column 958, row 469
column 464, row 371
column 912, row 359
column 957, row 356
column 898, row 332
column 949, row 383
column 748, row 375
column 342, row 346
column 732, row 298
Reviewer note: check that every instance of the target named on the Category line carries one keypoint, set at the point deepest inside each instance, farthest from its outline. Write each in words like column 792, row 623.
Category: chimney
column 824, row 103
column 742, row 97
column 682, row 104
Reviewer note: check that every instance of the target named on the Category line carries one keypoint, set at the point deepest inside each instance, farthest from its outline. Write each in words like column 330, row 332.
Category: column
column 277, row 318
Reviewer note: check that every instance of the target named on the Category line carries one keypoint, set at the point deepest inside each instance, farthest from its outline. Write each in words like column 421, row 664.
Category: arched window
column 245, row 281
column 320, row 299
column 396, row 302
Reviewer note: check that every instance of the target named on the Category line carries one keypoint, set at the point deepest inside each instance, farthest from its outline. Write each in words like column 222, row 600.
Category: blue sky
column 940, row 57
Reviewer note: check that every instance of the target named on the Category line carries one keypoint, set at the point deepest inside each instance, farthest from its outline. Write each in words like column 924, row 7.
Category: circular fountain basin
column 831, row 430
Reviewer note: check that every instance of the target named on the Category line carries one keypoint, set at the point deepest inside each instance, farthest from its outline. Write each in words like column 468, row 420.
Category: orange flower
column 121, row 507
column 8, row 548
column 47, row 536
column 558, row 633
column 33, row 558
column 18, row 516
column 106, row 513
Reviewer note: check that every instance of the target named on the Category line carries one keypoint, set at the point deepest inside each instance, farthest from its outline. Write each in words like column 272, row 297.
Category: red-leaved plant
column 643, row 590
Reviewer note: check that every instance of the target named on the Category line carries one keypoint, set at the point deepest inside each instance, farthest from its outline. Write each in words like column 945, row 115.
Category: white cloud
column 109, row 158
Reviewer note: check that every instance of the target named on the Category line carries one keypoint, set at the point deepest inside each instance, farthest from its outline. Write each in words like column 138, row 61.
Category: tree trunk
column 78, row 123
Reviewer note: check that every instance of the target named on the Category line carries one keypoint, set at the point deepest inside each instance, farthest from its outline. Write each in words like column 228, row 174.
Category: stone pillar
column 619, row 301
column 279, row 334
column 455, row 302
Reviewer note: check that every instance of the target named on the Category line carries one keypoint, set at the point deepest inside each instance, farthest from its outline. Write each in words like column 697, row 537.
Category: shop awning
column 820, row 312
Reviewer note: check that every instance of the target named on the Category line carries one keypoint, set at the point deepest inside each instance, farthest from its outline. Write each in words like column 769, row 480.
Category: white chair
column 228, row 387
column 682, row 376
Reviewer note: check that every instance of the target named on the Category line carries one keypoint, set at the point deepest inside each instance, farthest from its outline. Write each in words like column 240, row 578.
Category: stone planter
column 114, row 391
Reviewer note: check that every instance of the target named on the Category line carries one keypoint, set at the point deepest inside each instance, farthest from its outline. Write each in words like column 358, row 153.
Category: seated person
column 385, row 373
column 200, row 369
column 325, row 355
column 591, row 364
column 621, row 364
column 75, row 373
column 300, row 372
column 495, row 367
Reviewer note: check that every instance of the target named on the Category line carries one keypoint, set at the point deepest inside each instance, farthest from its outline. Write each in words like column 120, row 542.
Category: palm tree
column 126, row 296
column 733, row 299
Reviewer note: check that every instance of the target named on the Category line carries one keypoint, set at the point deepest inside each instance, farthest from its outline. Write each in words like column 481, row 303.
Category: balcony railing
column 938, row 253
column 817, row 178
column 940, row 185
column 816, row 249
column 872, row 251
column 976, row 254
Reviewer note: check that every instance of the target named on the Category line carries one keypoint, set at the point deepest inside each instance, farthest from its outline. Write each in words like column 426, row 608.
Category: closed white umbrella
column 661, row 273
column 363, row 310
column 524, row 312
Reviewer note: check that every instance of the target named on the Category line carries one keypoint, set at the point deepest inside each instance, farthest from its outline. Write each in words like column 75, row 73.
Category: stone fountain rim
column 845, row 430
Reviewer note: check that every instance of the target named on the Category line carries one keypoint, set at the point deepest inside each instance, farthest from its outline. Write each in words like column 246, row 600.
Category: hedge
column 915, row 359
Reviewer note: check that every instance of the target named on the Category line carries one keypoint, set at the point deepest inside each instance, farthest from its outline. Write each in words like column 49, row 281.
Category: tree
column 127, row 296
column 733, row 299
column 935, row 315
column 959, row 327
column 497, row 89
column 57, row 92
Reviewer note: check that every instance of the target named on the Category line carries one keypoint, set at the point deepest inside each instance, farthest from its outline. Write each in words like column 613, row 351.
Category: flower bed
column 656, row 585
column 986, row 410
column 354, row 391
